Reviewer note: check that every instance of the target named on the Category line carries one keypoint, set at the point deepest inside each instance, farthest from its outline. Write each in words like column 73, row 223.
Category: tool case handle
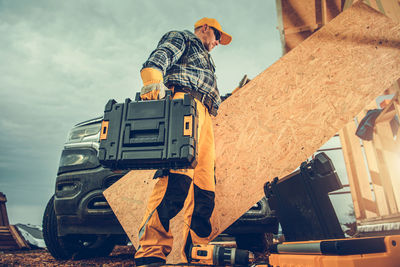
column 150, row 136
column 168, row 93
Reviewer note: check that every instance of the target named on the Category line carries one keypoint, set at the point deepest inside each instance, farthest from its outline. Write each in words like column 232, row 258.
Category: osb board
column 283, row 115
column 390, row 8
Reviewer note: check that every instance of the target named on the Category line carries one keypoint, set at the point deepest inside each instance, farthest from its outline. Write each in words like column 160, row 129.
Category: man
column 181, row 62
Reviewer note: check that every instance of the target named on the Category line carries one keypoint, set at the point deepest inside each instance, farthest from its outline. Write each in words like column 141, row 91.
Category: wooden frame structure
column 297, row 20
column 373, row 168
column 10, row 238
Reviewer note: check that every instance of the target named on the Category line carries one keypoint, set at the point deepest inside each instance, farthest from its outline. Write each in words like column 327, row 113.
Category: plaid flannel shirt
column 184, row 61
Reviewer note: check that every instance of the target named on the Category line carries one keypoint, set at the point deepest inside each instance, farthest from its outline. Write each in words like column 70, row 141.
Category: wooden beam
column 283, row 116
column 391, row 8
column 3, row 211
column 389, row 156
column 347, row 4
column 304, row 28
column 364, row 205
column 280, row 25
column 11, row 239
column 385, row 172
column 324, row 19
column 21, row 242
column 376, row 180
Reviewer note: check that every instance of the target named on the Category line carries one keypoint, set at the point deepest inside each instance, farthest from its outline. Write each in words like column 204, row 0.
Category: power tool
column 219, row 256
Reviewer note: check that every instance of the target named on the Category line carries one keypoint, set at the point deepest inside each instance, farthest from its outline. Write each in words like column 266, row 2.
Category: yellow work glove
column 153, row 86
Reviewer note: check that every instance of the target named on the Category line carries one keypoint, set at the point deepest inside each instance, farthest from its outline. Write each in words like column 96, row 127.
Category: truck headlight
column 80, row 133
column 78, row 159
column 73, row 159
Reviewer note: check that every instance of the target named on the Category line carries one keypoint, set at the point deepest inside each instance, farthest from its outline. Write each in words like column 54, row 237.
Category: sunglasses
column 217, row 34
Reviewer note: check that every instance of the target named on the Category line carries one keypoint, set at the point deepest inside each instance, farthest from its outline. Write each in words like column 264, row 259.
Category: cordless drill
column 220, row 256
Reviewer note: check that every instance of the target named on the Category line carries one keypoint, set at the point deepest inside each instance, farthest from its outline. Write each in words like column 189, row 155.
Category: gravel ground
column 121, row 256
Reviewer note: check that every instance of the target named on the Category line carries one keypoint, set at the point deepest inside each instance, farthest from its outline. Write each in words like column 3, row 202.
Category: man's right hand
column 153, row 86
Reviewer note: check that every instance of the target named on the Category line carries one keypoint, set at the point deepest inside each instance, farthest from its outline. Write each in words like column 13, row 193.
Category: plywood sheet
column 283, row 115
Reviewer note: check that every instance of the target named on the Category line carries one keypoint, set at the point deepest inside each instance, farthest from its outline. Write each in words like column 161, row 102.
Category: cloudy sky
column 62, row 60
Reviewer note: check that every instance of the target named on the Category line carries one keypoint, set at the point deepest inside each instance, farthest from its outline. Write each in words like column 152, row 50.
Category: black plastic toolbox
column 151, row 134
column 302, row 204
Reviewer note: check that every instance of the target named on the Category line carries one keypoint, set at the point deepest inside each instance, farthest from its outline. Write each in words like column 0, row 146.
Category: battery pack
column 151, row 134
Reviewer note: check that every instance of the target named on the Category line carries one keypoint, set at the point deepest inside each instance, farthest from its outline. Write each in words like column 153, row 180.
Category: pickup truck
column 79, row 223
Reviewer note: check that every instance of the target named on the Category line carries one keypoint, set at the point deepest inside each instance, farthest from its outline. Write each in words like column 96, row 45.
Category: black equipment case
column 151, row 134
column 302, row 204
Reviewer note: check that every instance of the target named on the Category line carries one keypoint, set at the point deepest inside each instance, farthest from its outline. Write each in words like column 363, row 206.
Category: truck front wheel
column 73, row 246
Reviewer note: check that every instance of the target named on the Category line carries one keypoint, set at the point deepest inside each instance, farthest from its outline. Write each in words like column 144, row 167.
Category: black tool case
column 151, row 134
column 302, row 204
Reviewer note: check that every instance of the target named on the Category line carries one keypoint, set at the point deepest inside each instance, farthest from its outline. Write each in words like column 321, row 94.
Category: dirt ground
column 121, row 256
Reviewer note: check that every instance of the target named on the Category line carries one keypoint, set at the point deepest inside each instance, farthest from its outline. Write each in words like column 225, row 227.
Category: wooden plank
column 386, row 116
column 301, row 18
column 4, row 238
column 9, row 244
column 10, row 238
column 297, row 15
column 280, row 25
column 286, row 113
column 19, row 240
column 391, row 8
column 379, row 192
column 375, row 4
column 347, row 4
column 3, row 215
column 391, row 157
column 359, row 209
column 305, row 28
column 385, row 176
column 393, row 89
column 3, row 211
column 3, row 229
column 370, row 155
column 357, row 173
column 323, row 12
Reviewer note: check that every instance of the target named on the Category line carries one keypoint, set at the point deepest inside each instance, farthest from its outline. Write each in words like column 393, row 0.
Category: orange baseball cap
column 225, row 38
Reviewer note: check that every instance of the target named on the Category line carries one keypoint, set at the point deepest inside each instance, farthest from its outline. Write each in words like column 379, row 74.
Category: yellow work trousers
column 193, row 189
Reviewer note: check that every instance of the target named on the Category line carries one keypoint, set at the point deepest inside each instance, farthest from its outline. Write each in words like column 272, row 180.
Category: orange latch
column 104, row 130
column 188, row 126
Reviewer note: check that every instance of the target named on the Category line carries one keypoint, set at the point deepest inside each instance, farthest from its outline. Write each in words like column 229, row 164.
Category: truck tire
column 73, row 246
column 50, row 235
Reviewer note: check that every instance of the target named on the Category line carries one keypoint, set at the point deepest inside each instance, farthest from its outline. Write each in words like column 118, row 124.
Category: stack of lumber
column 10, row 238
